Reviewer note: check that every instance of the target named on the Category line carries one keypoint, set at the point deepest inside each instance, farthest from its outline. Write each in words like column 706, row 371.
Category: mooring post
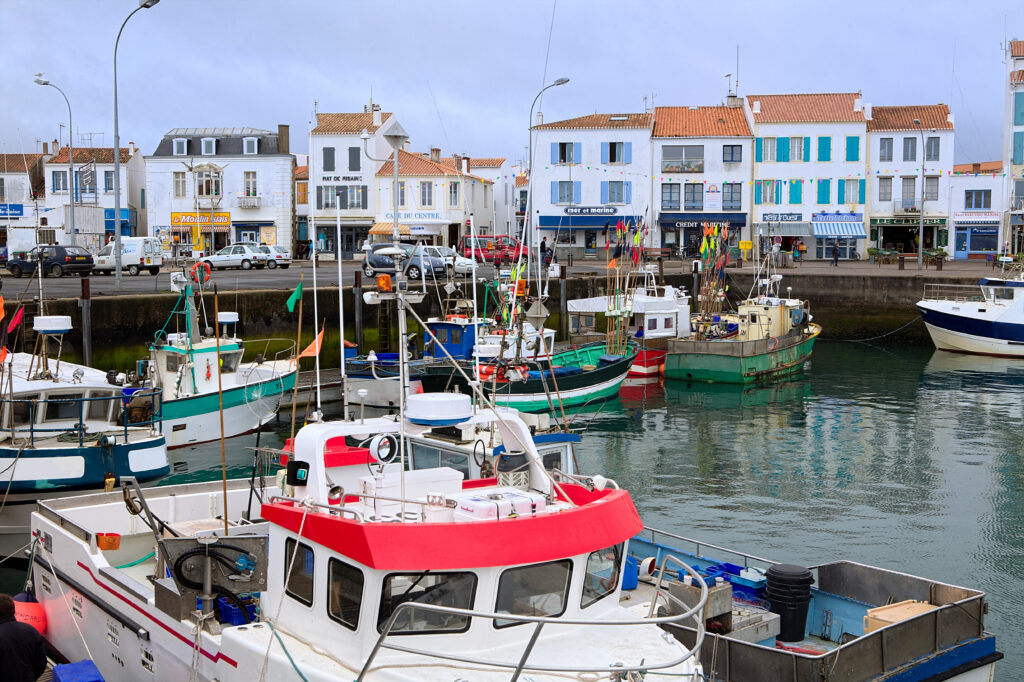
column 563, row 304
column 357, row 295
column 695, row 267
column 85, row 303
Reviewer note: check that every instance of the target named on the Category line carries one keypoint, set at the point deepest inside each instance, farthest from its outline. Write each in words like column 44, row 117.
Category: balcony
column 906, row 207
column 249, row 202
column 682, row 165
column 208, row 202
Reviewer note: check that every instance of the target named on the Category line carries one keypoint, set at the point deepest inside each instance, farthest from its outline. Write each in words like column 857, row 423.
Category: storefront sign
column 837, row 217
column 713, row 197
column 590, row 210
column 353, row 178
column 201, row 219
column 12, row 210
column 782, row 217
column 907, row 222
column 682, row 220
column 412, row 215
column 424, row 229
column 977, row 216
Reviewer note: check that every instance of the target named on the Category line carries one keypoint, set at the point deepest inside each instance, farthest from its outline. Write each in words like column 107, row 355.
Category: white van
column 137, row 254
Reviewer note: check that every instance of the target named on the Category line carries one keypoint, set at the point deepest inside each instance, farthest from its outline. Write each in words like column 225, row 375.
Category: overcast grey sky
column 461, row 75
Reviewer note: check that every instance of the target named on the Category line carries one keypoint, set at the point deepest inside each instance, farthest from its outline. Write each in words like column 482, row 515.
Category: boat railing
column 153, row 418
column 285, row 353
column 694, row 613
column 963, row 293
column 699, row 545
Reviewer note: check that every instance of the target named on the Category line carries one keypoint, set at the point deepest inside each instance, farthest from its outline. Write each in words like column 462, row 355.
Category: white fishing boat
column 983, row 319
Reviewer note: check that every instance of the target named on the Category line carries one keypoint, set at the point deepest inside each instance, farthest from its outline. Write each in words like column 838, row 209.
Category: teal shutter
column 576, row 193
column 628, row 192
column 861, row 190
column 841, row 191
column 852, row 148
column 824, row 191
column 604, row 153
column 825, row 149
column 1018, row 108
column 778, row 191
column 758, row 150
column 1018, row 147
column 782, row 149
column 757, row 183
column 604, row 191
column 807, row 149
column 554, row 152
column 629, row 152
column 577, row 152
column 795, row 192
column 554, row 191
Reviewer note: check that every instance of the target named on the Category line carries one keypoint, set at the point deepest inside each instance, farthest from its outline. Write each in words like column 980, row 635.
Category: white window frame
column 885, row 189
column 768, row 149
column 768, row 191
column 179, row 183
column 426, row 194
column 565, row 197
column 616, row 151
column 796, row 148
column 852, row 196
column 249, row 183
column 212, row 146
column 928, row 156
column 216, row 183
column 355, row 196
column 246, row 141
column 931, row 188
column 401, row 193
column 565, row 154
column 882, row 156
column 179, row 146
column 616, row 192
column 909, row 148
column 453, row 193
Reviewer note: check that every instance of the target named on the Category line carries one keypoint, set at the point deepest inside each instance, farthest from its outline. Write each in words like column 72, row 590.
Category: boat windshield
column 537, row 590
column 440, row 589
column 602, row 575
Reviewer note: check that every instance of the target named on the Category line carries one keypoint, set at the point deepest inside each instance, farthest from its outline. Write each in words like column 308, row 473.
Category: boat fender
column 28, row 610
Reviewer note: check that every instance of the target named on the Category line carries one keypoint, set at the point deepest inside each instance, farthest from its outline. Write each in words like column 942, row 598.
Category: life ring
column 200, row 266
column 455, row 317
column 773, row 343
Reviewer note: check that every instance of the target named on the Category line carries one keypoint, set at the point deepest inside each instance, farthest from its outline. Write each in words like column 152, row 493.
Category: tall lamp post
column 920, row 213
column 529, row 170
column 396, row 137
column 71, row 157
column 143, row 4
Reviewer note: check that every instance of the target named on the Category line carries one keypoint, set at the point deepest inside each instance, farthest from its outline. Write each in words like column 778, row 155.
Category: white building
column 1013, row 143
column 976, row 200
column 210, row 187
column 435, row 199
column 906, row 144
column 21, row 189
column 522, row 198
column 342, row 177
column 702, row 164
column 502, row 218
column 93, row 193
column 810, row 172
column 588, row 173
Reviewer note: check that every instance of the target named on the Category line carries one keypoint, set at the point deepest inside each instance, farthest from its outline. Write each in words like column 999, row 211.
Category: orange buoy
column 28, row 610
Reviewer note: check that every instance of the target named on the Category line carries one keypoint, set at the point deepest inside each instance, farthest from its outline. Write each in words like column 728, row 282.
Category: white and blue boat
column 983, row 319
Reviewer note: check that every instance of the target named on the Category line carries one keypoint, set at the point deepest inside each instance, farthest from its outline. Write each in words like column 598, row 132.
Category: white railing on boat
column 963, row 293
column 698, row 544
column 695, row 613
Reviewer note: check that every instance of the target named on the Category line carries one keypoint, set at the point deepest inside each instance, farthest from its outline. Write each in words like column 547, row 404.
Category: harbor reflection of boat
column 647, row 392
column 946, row 361
column 731, row 396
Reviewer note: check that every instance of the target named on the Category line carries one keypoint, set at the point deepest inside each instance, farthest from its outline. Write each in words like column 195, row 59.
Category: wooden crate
column 880, row 616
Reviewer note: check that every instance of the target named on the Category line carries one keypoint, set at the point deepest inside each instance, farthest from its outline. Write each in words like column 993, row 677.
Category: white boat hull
column 960, row 342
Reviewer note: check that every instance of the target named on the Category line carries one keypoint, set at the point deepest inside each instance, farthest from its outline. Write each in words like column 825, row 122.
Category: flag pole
column 220, row 403
column 298, row 344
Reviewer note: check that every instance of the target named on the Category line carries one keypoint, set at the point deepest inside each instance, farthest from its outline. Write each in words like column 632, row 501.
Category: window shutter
column 554, row 191
column 629, row 152
column 577, row 153
column 604, row 191
column 576, row 192
column 852, row 148
column 365, row 198
column 1018, row 147
column 628, row 192
column 604, row 152
column 795, row 192
column 329, row 159
column 757, row 183
column 824, row 149
column 342, row 191
column 353, row 158
column 807, row 149
column 319, row 197
column 824, row 191
column 782, row 149
column 778, row 191
column 554, row 153
column 841, row 190
column 861, row 190
column 758, row 150
column 1018, row 108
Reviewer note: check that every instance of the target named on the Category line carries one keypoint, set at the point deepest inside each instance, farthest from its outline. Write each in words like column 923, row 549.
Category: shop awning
column 830, row 229
column 386, row 229
column 783, row 229
column 411, row 229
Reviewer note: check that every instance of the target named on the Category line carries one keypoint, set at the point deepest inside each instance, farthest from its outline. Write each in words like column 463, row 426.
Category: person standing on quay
column 835, row 255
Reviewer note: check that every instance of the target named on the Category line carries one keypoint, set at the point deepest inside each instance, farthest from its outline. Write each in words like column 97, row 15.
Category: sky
column 461, row 75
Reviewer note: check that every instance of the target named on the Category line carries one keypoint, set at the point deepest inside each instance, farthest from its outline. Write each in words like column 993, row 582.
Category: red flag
column 3, row 355
column 312, row 349
column 16, row 320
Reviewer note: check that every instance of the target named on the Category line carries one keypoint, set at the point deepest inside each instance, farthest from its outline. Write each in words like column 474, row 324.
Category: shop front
column 259, row 232
column 353, row 234
column 977, row 234
column 1017, row 230
column 789, row 230
column 682, row 232
column 901, row 234
column 202, row 233
column 583, row 231
column 837, row 230
column 431, row 232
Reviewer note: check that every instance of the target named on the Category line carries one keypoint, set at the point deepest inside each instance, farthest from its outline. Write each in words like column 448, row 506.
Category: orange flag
column 2, row 312
column 312, row 349
column 612, row 263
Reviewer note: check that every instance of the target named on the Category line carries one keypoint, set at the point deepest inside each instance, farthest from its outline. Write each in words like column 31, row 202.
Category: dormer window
column 209, row 146
column 249, row 145
column 180, row 146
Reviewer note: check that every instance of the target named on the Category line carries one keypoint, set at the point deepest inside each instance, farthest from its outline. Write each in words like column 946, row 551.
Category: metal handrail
column 964, row 293
column 694, row 613
column 333, row 509
column 79, row 427
column 699, row 543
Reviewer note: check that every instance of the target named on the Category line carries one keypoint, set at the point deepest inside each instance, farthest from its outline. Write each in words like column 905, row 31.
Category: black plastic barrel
column 789, row 594
column 512, row 461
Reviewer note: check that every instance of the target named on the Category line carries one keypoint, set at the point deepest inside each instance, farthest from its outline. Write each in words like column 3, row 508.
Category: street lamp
column 143, row 4
column 529, row 177
column 920, row 213
column 71, row 156
column 396, row 137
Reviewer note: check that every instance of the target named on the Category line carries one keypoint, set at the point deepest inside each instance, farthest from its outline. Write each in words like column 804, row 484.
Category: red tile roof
column 18, row 163
column 487, row 162
column 302, row 173
column 522, row 180
column 902, row 117
column 602, row 121
column 983, row 167
column 343, row 124
column 825, row 107
column 1017, row 48
column 1017, row 76
column 415, row 164
column 716, row 121
column 87, row 154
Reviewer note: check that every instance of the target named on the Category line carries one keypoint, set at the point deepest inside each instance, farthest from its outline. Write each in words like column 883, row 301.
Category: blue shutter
column 782, row 149
column 604, row 191
column 1018, row 108
column 1018, row 147
column 628, row 195
column 554, row 191
column 576, row 192
column 795, row 192
column 604, row 153
column 554, row 152
column 629, row 152
column 807, row 149
column 757, row 183
column 778, row 191
column 852, row 148
column 577, row 153
column 824, row 191
column 825, row 149
column 758, row 150
column 861, row 190
column 841, row 191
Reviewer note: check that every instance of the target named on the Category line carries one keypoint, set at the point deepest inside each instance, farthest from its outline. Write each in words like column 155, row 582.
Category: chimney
column 282, row 138
column 867, row 112
column 858, row 104
column 457, row 159
column 976, row 167
column 734, row 101
column 378, row 118
column 131, row 149
column 56, row 147
column 465, row 164
column 540, row 118
column 435, row 154
column 46, row 149
column 756, row 109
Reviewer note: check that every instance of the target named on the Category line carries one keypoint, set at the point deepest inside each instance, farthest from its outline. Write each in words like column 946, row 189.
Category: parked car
column 482, row 249
column 455, row 263
column 416, row 262
column 244, row 256
column 56, row 260
column 137, row 254
column 277, row 256
column 511, row 248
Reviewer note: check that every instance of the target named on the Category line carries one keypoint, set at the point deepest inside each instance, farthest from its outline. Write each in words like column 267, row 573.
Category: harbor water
column 907, row 459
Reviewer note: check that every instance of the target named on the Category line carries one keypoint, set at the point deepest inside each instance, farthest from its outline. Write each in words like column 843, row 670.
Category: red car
column 484, row 249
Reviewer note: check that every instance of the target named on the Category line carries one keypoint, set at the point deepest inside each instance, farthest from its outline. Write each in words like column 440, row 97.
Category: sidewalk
column 962, row 269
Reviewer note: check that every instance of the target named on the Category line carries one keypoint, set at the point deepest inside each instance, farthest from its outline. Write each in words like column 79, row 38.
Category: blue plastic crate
column 81, row 671
column 232, row 615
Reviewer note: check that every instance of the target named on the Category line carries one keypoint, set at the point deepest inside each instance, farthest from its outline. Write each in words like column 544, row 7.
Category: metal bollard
column 901, row 261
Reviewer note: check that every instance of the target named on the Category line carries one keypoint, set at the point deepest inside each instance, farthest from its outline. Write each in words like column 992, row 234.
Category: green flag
column 294, row 298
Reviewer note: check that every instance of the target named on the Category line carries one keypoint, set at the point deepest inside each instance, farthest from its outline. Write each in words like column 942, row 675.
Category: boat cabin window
column 652, row 323
column 668, row 323
column 172, row 362
column 344, row 593
column 602, row 575
column 442, row 335
column 552, row 458
column 427, row 457
column 99, row 407
column 300, row 580
column 61, row 407
column 229, row 361
column 456, row 590
column 537, row 590
column 21, row 410
column 455, row 335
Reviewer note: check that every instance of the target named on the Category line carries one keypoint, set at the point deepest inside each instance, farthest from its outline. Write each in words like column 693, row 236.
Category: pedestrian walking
column 22, row 650
column 835, row 255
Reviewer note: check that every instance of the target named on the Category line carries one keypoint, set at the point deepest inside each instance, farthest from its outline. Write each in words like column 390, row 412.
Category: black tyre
column 133, row 270
column 56, row 271
column 273, row 264
column 154, row 271
column 15, row 271
column 413, row 272
column 247, row 265
column 367, row 270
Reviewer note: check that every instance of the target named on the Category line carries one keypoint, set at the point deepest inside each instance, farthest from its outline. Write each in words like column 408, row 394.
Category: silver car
column 456, row 264
column 277, row 256
column 242, row 256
